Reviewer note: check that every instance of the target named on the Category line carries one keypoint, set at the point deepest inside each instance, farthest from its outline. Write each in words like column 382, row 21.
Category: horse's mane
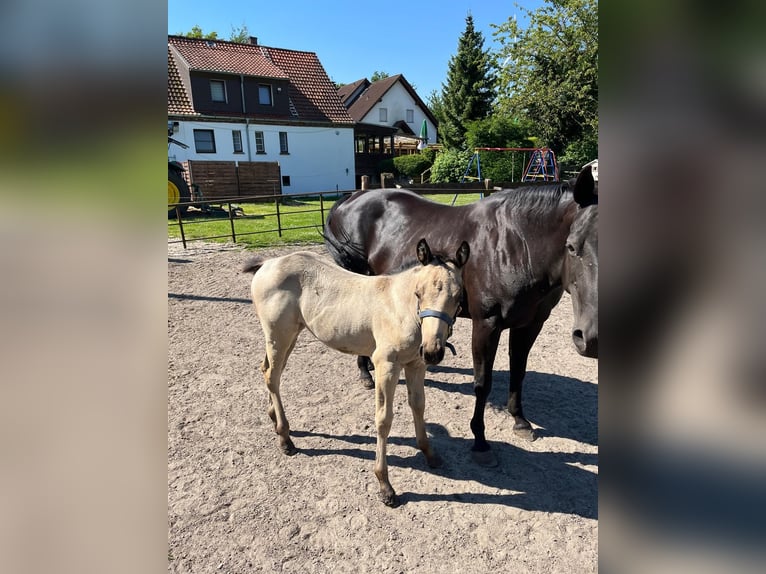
column 534, row 200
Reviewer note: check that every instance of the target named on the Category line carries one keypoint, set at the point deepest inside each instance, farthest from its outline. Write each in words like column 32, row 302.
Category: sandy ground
column 237, row 504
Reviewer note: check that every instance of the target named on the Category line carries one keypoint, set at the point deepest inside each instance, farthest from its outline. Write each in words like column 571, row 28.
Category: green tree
column 548, row 74
column 499, row 131
column 196, row 32
column 239, row 35
column 469, row 90
column 378, row 75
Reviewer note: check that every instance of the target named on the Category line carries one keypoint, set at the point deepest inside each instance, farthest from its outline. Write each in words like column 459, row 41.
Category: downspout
column 244, row 112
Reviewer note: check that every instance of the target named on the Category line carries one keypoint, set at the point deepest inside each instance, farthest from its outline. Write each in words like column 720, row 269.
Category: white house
column 389, row 117
column 250, row 103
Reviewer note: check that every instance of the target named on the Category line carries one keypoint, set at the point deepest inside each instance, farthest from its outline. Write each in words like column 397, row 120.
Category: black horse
column 528, row 245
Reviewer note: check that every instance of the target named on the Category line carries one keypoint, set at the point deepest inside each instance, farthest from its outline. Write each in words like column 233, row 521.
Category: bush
column 449, row 166
column 411, row 166
column 387, row 166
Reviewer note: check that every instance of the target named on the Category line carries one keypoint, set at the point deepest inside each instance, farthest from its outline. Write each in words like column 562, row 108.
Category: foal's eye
column 571, row 248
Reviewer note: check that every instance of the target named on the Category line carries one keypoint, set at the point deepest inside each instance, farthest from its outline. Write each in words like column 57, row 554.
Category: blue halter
column 438, row 314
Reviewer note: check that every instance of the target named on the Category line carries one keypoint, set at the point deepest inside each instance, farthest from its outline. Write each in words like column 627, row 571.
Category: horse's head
column 439, row 291
column 581, row 266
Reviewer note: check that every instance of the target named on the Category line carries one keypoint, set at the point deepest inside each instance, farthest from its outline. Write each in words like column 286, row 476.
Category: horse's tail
column 346, row 252
column 253, row 264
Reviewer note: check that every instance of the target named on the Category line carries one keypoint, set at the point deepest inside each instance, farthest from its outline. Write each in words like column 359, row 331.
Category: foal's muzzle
column 435, row 357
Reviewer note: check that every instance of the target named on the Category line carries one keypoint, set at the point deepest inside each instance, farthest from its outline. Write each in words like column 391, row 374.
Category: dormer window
column 218, row 91
column 264, row 94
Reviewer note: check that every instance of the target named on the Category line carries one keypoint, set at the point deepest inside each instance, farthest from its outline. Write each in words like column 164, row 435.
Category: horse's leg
column 277, row 352
column 414, row 374
column 484, row 341
column 386, row 379
column 519, row 344
column 364, row 372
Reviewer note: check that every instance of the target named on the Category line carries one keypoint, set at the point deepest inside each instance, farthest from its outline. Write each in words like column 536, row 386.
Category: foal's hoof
column 288, row 448
column 435, row 461
column 389, row 499
column 484, row 458
column 524, row 432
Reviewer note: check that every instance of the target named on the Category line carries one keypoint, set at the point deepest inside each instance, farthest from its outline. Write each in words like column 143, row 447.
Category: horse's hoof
column 389, row 499
column 368, row 383
column 288, row 448
column 484, row 458
column 525, row 432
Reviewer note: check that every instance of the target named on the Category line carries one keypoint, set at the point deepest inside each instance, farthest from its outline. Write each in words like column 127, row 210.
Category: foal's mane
column 410, row 264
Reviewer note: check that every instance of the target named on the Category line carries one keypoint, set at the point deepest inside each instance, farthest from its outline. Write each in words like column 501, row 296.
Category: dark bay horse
column 528, row 245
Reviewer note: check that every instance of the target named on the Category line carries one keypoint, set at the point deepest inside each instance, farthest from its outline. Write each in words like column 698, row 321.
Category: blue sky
column 353, row 39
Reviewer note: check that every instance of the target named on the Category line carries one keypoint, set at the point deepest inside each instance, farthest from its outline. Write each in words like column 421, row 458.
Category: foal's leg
column 484, row 341
column 386, row 379
column 519, row 344
column 277, row 351
column 414, row 374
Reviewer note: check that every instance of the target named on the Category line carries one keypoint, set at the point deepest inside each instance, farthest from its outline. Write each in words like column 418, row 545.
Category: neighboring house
column 389, row 115
column 246, row 102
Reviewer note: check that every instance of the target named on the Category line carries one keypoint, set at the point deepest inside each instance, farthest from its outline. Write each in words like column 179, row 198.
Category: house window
column 236, row 137
column 285, row 181
column 204, row 141
column 218, row 90
column 383, row 114
column 410, row 116
column 283, row 143
column 264, row 94
column 260, row 147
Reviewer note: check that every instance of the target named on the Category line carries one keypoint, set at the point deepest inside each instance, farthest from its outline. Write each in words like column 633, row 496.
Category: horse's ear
column 424, row 252
column 585, row 188
column 461, row 257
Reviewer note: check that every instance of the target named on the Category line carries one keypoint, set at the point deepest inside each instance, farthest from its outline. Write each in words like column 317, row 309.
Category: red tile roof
column 348, row 90
column 225, row 57
column 313, row 96
column 311, row 90
column 178, row 99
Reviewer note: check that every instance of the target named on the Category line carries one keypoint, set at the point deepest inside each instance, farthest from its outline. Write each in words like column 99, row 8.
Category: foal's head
column 439, row 290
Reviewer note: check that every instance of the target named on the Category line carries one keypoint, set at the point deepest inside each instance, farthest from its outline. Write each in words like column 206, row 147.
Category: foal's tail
column 253, row 264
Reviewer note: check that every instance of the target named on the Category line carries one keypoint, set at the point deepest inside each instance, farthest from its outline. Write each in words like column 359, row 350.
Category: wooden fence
column 220, row 180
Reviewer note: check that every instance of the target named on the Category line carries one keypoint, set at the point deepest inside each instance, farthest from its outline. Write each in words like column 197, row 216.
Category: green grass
column 256, row 224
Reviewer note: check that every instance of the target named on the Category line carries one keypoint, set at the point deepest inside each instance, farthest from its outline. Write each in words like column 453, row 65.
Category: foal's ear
column 424, row 252
column 585, row 188
column 461, row 257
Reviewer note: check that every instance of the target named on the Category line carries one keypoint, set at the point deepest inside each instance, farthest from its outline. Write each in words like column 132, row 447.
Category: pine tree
column 468, row 93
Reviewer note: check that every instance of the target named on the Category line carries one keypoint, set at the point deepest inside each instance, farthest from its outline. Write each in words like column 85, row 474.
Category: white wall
column 319, row 159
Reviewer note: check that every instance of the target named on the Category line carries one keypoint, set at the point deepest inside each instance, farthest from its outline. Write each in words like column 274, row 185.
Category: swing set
column 542, row 165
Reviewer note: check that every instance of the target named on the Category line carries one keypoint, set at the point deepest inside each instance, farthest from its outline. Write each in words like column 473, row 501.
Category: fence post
column 231, row 220
column 279, row 219
column 180, row 225
column 321, row 207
